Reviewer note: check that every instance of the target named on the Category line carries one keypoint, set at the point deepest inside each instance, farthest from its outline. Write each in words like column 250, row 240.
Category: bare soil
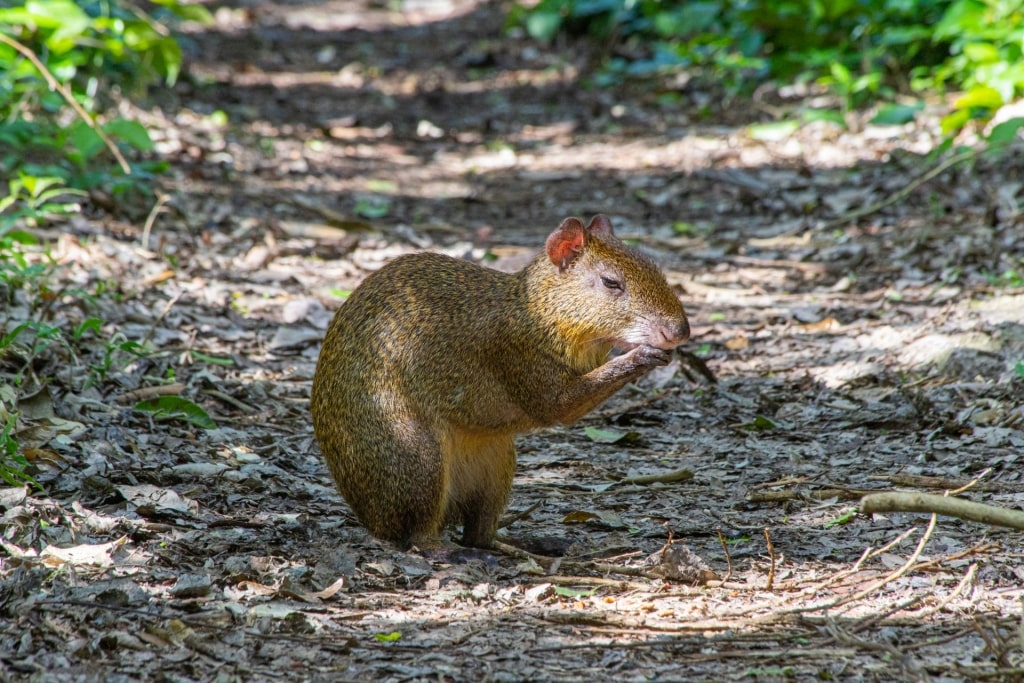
column 839, row 348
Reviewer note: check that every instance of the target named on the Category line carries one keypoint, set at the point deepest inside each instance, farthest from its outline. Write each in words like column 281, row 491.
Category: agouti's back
column 434, row 364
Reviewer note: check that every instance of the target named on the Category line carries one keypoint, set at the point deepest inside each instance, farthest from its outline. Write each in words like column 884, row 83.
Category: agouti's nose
column 683, row 331
column 671, row 334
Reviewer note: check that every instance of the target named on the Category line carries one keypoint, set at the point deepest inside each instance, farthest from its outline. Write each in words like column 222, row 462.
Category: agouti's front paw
column 651, row 357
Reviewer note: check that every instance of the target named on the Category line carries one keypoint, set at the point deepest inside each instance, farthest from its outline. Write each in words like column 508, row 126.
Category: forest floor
column 851, row 348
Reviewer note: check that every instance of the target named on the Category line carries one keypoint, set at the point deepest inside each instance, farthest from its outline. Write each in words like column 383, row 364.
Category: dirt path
column 850, row 355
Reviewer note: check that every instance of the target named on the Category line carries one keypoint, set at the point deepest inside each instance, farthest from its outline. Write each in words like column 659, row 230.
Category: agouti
column 433, row 365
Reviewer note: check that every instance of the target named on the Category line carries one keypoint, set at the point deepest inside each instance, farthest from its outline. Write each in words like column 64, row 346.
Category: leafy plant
column 60, row 54
column 861, row 50
column 116, row 352
column 13, row 463
column 177, row 408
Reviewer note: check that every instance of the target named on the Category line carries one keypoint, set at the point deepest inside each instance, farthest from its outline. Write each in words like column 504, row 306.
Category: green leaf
column 1019, row 369
column 381, row 186
column 830, row 115
column 187, row 12
column 372, row 208
column 64, row 15
column 762, row 424
column 176, row 407
column 213, row 360
column 982, row 96
column 133, row 347
column 132, row 132
column 609, row 435
column 840, row 73
column 982, row 53
column 951, row 123
column 1005, row 132
column 88, row 325
column 543, row 25
column 771, row 132
column 896, row 114
column 844, row 518
column 85, row 140
column 567, row 592
column 388, row 637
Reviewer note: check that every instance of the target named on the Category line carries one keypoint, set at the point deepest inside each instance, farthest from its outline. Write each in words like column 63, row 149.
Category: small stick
column 897, row 573
column 919, row 481
column 895, row 501
column 964, row 582
column 971, row 483
column 167, row 309
column 728, row 557
column 785, row 495
column 231, row 401
column 902, row 193
column 664, row 478
column 771, row 554
column 151, row 218
column 144, row 393
column 509, row 520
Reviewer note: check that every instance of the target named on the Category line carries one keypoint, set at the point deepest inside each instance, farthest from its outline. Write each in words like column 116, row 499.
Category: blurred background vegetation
column 860, row 51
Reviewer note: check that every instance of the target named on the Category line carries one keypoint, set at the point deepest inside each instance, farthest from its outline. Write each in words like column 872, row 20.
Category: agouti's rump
column 434, row 364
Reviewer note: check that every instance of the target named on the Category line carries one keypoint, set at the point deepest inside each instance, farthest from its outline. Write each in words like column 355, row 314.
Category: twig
column 873, row 619
column 231, row 401
column 892, row 576
column 167, row 309
column 964, row 582
column 771, row 555
column 144, row 393
column 725, row 551
column 68, row 97
column 981, row 547
column 901, row 501
column 838, row 576
column 698, row 364
column 151, row 218
column 664, row 478
column 902, row 193
column 509, row 520
column 971, row 483
column 919, row 481
column 785, row 495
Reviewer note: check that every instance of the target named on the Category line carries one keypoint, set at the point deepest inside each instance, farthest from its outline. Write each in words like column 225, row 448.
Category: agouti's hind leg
column 398, row 489
column 480, row 485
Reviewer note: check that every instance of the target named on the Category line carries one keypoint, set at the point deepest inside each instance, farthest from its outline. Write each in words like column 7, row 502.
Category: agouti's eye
column 611, row 283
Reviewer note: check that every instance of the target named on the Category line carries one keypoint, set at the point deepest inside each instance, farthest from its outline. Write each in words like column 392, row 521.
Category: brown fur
column 433, row 365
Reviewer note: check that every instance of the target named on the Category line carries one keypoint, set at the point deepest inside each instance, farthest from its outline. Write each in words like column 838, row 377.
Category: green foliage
column 846, row 517
column 860, row 49
column 177, row 408
column 91, row 49
column 12, row 461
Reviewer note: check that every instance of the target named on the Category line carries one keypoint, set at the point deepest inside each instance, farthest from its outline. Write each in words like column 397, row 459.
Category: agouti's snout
column 670, row 334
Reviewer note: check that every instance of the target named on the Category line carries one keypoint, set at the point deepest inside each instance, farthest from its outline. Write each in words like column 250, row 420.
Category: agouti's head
column 607, row 294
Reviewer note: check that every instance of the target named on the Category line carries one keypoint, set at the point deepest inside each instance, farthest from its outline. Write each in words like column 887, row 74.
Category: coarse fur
column 433, row 365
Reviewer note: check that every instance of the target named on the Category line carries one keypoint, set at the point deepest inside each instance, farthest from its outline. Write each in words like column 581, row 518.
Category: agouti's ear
column 600, row 225
column 566, row 243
